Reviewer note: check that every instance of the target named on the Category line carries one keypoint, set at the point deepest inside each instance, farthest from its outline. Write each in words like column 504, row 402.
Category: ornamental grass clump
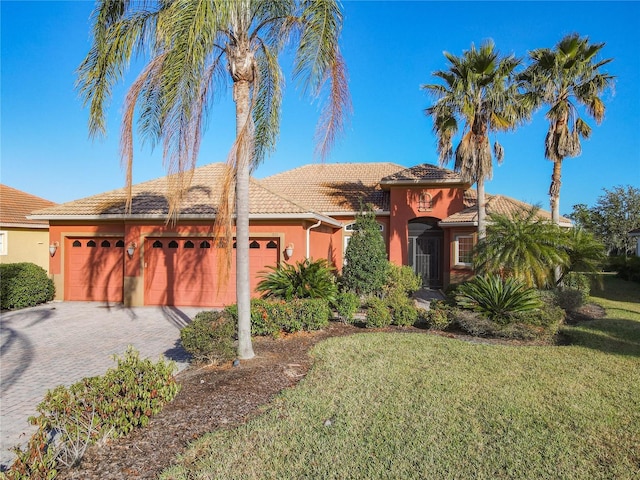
column 306, row 279
column 496, row 298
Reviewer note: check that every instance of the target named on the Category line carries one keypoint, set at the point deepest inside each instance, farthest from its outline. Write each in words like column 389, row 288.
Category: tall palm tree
column 477, row 90
column 564, row 78
column 194, row 49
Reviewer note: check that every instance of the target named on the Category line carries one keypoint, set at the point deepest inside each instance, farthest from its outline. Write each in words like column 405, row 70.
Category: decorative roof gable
column 425, row 174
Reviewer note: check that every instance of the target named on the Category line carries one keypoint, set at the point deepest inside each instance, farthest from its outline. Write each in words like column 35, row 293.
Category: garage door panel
column 95, row 269
column 189, row 276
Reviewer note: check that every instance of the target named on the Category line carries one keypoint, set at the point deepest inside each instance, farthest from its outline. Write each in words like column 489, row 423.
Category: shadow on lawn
column 615, row 336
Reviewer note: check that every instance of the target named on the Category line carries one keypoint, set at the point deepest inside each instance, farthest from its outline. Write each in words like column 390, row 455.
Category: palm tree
column 563, row 79
column 194, row 49
column 479, row 91
column 522, row 246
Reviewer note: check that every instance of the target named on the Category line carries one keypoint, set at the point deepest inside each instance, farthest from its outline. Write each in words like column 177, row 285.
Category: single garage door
column 94, row 269
column 183, row 271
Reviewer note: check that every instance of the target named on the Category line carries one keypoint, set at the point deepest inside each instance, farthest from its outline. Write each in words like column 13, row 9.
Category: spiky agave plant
column 305, row 279
column 497, row 297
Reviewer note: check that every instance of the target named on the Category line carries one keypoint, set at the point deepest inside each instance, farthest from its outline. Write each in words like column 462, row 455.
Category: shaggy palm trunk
column 243, row 153
column 554, row 192
column 482, row 211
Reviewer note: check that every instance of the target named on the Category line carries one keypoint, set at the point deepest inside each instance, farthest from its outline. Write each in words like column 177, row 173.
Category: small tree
column 366, row 266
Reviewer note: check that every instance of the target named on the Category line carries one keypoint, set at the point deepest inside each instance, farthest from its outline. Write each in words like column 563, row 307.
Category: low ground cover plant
column 24, row 285
column 72, row 418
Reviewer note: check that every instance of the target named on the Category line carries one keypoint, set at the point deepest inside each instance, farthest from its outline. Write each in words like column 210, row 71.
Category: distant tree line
column 611, row 218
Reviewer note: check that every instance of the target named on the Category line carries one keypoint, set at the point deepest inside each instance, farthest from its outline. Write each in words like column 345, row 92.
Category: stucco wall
column 27, row 245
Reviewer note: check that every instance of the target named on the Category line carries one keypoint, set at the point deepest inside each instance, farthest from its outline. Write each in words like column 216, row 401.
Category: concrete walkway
column 63, row 342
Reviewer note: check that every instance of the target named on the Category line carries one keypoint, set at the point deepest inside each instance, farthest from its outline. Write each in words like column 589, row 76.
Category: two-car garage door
column 177, row 271
column 184, row 271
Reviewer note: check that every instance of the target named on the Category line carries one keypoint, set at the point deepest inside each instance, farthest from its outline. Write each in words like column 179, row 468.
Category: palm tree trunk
column 554, row 192
column 243, row 155
column 482, row 211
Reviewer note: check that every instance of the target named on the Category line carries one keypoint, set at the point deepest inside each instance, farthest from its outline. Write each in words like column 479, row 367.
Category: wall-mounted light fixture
column 53, row 248
column 131, row 249
column 289, row 250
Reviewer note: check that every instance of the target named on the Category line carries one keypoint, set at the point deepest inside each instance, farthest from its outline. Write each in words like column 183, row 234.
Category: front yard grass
column 393, row 405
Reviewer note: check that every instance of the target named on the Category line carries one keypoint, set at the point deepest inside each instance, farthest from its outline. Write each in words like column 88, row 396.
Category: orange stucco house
column 426, row 215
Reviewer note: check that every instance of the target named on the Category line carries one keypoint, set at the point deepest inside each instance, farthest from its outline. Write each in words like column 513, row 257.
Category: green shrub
column 366, row 264
column 306, row 279
column 403, row 311
column 262, row 323
column 346, row 305
column 569, row 299
column 112, row 405
column 440, row 315
column 24, row 285
column 313, row 313
column 538, row 324
column 496, row 297
column 378, row 314
column 628, row 268
column 578, row 281
column 401, row 279
column 209, row 337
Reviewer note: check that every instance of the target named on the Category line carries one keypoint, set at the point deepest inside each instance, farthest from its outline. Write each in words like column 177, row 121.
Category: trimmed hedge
column 24, row 285
column 209, row 337
column 273, row 317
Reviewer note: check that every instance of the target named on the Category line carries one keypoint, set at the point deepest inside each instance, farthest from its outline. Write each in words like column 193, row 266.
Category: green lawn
column 419, row 406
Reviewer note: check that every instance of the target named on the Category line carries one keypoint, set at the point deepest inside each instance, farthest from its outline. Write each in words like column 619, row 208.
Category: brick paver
column 63, row 342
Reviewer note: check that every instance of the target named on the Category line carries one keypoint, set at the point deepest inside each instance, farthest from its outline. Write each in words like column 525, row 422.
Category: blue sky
column 391, row 48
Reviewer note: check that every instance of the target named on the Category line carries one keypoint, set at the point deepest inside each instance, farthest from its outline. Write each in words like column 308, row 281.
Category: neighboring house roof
column 200, row 200
column 15, row 205
column 335, row 188
column 498, row 204
column 424, row 174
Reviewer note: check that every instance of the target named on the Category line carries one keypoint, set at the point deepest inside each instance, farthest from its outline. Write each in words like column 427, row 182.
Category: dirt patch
column 224, row 397
column 590, row 311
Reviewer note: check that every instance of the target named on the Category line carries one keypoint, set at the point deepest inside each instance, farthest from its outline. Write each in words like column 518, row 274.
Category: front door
column 425, row 251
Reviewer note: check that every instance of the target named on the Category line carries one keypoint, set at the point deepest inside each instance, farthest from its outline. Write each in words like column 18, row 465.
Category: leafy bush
column 628, row 268
column 378, row 314
column 366, row 264
column 440, row 315
column 72, row 418
column 538, row 324
column 313, row 313
column 402, row 279
column 569, row 299
column 403, row 311
column 578, row 281
column 346, row 305
column 497, row 297
column 24, row 285
column 307, row 279
column 271, row 317
column 209, row 337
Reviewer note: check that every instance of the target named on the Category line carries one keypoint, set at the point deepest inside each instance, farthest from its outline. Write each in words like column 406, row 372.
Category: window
column 205, row 244
column 425, row 203
column 105, row 244
column 157, row 244
column 254, row 244
column 173, row 244
column 272, row 244
column 189, row 244
column 463, row 254
column 3, row 243
column 120, row 243
column 76, row 244
column 91, row 243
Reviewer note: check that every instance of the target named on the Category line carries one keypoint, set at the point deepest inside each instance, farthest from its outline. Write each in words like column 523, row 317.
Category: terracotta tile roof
column 423, row 174
column 498, row 204
column 335, row 187
column 150, row 198
column 15, row 205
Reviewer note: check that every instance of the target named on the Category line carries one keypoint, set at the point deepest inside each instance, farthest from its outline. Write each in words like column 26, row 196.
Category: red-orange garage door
column 183, row 271
column 94, row 269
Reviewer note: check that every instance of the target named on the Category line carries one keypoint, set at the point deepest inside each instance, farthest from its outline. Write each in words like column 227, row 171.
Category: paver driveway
column 63, row 342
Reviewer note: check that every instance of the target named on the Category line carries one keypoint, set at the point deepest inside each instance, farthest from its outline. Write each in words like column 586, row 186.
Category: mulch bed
column 225, row 397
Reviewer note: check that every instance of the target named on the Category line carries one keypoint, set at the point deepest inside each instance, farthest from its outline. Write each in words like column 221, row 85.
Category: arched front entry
column 425, row 250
